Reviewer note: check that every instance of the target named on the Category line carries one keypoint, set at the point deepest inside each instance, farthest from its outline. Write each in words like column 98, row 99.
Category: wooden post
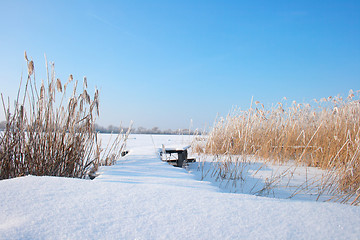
column 180, row 159
column 182, row 156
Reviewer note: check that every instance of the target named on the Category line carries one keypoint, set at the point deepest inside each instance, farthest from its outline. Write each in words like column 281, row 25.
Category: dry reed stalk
column 325, row 135
column 46, row 138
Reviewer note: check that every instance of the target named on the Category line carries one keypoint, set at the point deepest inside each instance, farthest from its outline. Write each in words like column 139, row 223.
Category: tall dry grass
column 48, row 133
column 325, row 135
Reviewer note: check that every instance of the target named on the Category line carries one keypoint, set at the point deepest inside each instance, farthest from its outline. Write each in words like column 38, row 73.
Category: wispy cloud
column 106, row 22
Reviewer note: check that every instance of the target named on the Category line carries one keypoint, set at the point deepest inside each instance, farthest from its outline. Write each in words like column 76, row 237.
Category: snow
column 142, row 197
column 256, row 177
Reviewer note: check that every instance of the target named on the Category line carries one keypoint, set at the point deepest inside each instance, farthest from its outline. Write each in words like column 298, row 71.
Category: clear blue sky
column 162, row 63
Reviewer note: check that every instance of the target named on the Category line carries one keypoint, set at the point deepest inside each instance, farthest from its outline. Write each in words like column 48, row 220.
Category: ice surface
column 143, row 198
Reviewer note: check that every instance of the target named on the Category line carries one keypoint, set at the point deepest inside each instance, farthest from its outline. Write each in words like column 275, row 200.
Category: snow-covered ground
column 256, row 177
column 143, row 198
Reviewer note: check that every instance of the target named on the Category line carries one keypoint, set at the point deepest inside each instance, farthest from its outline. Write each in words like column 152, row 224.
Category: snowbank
column 144, row 198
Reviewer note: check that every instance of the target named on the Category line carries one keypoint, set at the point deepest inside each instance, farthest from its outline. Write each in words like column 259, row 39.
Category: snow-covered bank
column 256, row 177
column 144, row 198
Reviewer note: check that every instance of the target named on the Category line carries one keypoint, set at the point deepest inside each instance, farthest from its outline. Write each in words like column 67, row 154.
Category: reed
column 325, row 134
column 48, row 133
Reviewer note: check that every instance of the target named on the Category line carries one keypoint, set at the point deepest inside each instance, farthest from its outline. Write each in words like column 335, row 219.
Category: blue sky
column 163, row 63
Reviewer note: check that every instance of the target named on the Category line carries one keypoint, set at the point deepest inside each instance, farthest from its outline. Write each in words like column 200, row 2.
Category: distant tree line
column 156, row 130
column 139, row 130
column 142, row 130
